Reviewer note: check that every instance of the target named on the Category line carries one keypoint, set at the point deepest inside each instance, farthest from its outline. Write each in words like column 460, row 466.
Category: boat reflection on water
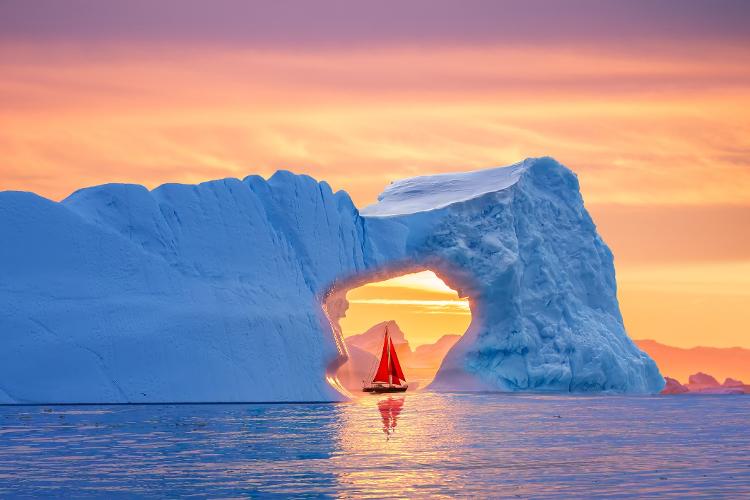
column 389, row 411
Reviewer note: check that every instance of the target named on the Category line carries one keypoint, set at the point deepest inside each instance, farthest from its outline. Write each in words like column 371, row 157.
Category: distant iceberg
column 231, row 290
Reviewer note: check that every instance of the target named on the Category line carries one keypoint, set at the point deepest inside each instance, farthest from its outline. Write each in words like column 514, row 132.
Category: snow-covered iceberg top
column 231, row 290
column 431, row 192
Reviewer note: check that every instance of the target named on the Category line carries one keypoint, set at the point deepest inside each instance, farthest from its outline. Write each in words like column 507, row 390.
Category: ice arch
column 335, row 303
column 214, row 292
column 519, row 242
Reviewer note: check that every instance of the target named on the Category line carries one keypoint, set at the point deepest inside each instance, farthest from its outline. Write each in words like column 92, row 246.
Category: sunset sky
column 424, row 307
column 649, row 102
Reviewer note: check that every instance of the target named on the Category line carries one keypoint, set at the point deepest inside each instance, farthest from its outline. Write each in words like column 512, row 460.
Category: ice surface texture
column 213, row 292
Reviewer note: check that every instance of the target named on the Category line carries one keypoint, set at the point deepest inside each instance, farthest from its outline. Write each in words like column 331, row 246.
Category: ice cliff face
column 213, row 292
column 184, row 293
column 519, row 243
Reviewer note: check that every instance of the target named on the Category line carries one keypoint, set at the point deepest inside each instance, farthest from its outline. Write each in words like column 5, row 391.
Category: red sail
column 398, row 375
column 383, row 369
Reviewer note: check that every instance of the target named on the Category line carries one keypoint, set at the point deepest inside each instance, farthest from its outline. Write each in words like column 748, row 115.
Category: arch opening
column 425, row 312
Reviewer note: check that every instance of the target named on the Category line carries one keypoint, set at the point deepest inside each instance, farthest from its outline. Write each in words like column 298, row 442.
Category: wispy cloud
column 641, row 127
column 424, row 280
column 431, row 306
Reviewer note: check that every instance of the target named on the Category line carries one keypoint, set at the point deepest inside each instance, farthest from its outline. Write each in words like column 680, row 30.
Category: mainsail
column 384, row 369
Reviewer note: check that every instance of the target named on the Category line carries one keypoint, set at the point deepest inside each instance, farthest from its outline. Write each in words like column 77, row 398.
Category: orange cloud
column 638, row 127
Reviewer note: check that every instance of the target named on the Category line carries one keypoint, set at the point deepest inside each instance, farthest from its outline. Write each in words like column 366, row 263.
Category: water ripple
column 417, row 445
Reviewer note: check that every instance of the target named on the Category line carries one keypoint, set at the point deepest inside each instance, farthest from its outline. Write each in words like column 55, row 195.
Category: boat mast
column 387, row 341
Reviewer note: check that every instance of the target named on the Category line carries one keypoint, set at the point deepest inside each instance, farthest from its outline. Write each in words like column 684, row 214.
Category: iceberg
column 231, row 290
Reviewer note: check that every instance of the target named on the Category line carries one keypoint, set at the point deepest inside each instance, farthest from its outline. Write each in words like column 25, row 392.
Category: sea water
column 412, row 445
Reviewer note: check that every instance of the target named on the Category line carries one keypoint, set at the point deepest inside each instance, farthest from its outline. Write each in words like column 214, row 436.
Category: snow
column 431, row 192
column 213, row 292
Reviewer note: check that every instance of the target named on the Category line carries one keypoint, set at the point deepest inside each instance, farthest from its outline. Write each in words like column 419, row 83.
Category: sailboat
column 389, row 377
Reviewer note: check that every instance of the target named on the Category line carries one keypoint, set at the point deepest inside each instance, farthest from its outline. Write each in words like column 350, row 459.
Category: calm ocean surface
column 417, row 445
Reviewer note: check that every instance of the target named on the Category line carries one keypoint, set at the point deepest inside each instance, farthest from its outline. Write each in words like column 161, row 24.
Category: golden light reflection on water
column 403, row 443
